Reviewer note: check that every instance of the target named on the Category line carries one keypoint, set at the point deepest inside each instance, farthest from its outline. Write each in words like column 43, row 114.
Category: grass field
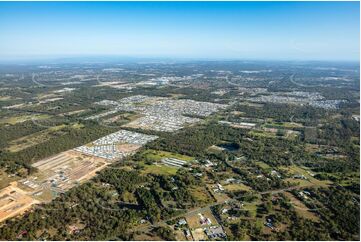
column 159, row 169
column 288, row 125
column 237, row 187
column 128, row 197
column 301, row 208
column 312, row 148
column 201, row 194
column 5, row 98
column 45, row 195
column 260, row 133
column 310, row 181
column 5, row 179
column 251, row 207
column 157, row 155
column 263, row 165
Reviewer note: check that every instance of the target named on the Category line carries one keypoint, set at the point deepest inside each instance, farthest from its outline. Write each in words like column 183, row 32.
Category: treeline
column 72, row 138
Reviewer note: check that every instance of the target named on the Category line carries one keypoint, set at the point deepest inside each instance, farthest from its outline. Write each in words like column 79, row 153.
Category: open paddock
column 236, row 187
column 159, row 169
column 301, row 208
column 158, row 155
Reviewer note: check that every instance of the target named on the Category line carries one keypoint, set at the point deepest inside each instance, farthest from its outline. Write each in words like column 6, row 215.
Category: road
column 203, row 209
column 36, row 82
column 195, row 211
column 298, row 84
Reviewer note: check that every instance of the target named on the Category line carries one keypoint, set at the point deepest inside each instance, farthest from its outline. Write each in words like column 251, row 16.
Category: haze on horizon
column 236, row 30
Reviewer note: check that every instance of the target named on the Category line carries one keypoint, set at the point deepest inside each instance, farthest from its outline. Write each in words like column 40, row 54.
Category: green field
column 263, row 165
column 264, row 134
column 237, row 187
column 159, row 170
column 309, row 181
column 157, row 155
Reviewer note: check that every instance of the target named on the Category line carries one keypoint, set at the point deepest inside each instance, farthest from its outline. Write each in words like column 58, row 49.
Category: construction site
column 14, row 201
column 59, row 173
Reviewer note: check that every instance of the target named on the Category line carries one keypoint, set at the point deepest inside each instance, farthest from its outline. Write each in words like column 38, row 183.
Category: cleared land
column 159, row 169
column 309, row 179
column 23, row 118
column 157, row 155
column 33, row 139
column 61, row 172
column 194, row 221
column 301, row 208
column 14, row 201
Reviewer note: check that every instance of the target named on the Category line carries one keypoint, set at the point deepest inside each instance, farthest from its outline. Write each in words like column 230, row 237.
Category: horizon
column 111, row 59
column 268, row 31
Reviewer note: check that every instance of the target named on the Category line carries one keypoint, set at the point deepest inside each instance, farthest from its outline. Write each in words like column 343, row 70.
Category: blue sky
column 244, row 30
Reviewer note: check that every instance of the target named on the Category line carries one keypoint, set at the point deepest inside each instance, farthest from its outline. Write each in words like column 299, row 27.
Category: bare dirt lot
column 127, row 148
column 14, row 201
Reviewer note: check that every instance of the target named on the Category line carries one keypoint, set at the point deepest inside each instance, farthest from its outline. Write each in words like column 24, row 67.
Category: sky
column 218, row 30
